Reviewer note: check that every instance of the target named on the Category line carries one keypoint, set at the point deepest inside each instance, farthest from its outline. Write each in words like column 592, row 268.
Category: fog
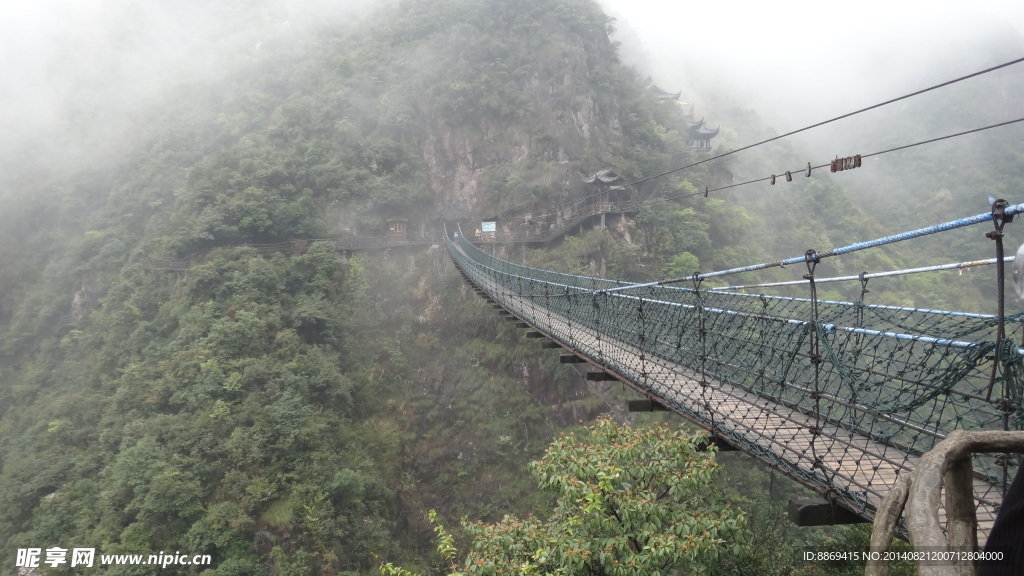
column 77, row 66
column 797, row 62
column 73, row 66
column 767, row 68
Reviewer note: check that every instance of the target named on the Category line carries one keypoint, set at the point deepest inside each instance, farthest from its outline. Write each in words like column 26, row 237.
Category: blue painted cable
column 818, row 256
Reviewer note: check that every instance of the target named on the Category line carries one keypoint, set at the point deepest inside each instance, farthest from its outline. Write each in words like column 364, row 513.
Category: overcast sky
column 87, row 62
column 797, row 60
column 794, row 62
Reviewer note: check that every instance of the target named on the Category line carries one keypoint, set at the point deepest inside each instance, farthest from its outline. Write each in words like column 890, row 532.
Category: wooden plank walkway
column 849, row 461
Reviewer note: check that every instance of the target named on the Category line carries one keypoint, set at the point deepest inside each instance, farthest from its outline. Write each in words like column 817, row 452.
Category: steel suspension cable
column 946, row 226
column 891, row 273
column 804, row 129
column 826, row 164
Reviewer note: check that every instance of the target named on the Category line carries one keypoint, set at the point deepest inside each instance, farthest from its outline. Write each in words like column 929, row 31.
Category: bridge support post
column 820, row 512
column 999, row 368
column 646, row 405
column 722, row 445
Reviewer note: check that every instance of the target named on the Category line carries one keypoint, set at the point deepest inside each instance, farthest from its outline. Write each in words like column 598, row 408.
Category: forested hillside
column 299, row 414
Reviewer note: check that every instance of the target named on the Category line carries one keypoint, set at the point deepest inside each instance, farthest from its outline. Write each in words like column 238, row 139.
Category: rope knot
column 1005, row 405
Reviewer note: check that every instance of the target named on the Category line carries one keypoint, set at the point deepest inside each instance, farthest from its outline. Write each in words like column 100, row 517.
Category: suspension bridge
column 844, row 397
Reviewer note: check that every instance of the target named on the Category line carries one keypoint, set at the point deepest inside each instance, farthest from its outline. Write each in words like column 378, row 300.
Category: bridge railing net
column 895, row 377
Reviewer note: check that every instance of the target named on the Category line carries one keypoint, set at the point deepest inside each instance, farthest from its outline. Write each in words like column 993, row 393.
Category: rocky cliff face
column 533, row 96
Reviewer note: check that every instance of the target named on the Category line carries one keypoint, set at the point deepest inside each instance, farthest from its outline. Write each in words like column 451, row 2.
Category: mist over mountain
column 167, row 382
column 284, row 414
column 771, row 69
column 798, row 62
column 80, row 72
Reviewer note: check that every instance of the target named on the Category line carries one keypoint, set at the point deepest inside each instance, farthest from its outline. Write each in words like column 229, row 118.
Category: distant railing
column 517, row 231
column 526, row 230
column 299, row 246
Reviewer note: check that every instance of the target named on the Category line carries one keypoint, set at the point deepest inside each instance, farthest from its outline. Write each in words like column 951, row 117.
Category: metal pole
column 1000, row 218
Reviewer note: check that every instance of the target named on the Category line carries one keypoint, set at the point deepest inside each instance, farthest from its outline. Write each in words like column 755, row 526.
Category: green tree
column 629, row 501
column 680, row 265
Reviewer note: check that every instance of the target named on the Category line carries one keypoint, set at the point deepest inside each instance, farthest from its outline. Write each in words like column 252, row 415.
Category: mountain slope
column 297, row 414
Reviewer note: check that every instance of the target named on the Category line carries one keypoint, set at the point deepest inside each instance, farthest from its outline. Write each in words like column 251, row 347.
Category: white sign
column 488, row 227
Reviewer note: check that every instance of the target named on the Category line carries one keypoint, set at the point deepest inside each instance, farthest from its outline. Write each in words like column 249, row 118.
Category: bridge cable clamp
column 811, row 258
column 999, row 215
column 999, row 218
column 696, row 281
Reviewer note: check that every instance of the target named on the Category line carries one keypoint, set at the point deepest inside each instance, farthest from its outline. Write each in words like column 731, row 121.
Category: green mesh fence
column 844, row 404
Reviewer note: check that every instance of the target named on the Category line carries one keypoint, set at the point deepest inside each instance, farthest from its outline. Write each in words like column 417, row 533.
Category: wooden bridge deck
column 761, row 426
